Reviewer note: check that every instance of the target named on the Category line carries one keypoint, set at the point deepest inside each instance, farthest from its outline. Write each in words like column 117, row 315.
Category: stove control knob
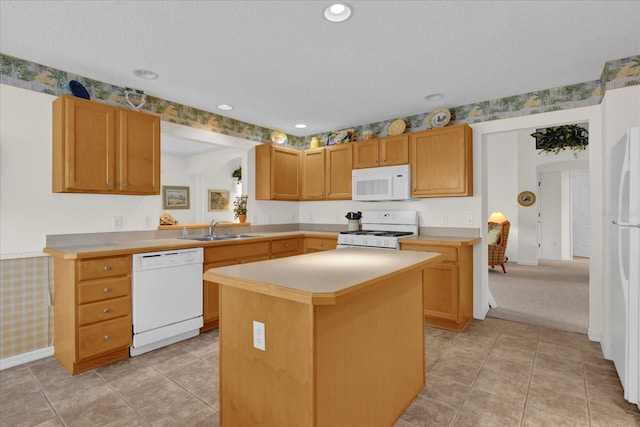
column 386, row 243
column 364, row 241
column 378, row 242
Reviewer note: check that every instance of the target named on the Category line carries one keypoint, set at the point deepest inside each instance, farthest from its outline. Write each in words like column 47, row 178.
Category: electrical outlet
column 269, row 219
column 117, row 222
column 259, row 340
column 469, row 219
column 444, row 220
column 147, row 222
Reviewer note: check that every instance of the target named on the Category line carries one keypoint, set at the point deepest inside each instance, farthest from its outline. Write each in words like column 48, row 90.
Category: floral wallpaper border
column 617, row 73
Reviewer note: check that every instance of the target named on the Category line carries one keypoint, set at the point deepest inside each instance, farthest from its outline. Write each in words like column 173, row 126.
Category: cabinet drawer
column 319, row 243
column 246, row 250
column 104, row 310
column 104, row 267
column 104, row 336
column 285, row 245
column 449, row 254
column 99, row 290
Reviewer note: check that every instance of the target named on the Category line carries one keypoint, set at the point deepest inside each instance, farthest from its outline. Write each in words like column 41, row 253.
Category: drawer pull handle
column 286, row 245
column 321, row 244
column 106, row 310
column 107, row 337
column 107, row 290
column 107, row 268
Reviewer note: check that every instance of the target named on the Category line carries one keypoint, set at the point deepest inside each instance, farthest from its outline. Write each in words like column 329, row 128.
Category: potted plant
column 240, row 208
column 557, row 138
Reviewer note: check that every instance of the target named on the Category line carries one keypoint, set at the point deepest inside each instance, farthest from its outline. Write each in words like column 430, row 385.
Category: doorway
column 544, row 237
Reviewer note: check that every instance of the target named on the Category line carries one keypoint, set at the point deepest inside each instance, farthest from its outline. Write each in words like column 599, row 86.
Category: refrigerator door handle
column 625, row 225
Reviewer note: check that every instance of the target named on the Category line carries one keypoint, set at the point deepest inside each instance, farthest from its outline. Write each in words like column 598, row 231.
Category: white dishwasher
column 166, row 298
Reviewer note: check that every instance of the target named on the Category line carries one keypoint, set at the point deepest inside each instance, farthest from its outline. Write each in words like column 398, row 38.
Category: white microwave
column 384, row 183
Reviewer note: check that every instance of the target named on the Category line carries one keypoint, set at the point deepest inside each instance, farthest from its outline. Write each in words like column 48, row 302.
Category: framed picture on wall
column 175, row 197
column 218, row 200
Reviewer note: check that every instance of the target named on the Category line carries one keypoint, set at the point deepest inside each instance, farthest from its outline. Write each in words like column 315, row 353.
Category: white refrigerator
column 625, row 262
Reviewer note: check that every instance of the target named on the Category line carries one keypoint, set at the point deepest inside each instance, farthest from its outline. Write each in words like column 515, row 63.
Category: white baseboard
column 23, row 358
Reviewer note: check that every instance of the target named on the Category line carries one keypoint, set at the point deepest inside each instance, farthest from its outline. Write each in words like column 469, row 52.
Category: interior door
column 580, row 213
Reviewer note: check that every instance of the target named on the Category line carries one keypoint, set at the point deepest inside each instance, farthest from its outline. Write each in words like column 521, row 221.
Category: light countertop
column 321, row 277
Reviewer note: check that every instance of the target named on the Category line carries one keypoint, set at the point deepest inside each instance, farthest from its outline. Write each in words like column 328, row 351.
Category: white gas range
column 381, row 229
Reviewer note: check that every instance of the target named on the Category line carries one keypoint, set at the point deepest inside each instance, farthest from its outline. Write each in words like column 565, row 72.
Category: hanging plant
column 237, row 174
column 558, row 138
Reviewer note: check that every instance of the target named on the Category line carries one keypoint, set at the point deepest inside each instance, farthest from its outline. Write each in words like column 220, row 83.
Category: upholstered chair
column 497, row 239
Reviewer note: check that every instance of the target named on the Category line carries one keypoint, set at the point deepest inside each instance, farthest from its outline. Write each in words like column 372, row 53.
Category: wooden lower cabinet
column 221, row 256
column 285, row 247
column 92, row 311
column 448, row 286
column 316, row 244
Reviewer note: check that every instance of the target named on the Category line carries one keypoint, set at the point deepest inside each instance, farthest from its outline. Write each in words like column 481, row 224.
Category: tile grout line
column 533, row 364
column 484, row 362
column 44, row 395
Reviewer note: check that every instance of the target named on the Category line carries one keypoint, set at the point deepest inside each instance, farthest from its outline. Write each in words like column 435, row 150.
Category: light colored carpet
column 554, row 294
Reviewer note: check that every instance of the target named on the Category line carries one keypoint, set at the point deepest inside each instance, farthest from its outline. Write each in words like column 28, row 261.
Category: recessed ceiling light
column 300, row 126
column 337, row 12
column 434, row 97
column 145, row 74
column 225, row 107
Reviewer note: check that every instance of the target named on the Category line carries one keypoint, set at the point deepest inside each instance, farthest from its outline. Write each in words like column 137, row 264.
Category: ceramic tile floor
column 496, row 373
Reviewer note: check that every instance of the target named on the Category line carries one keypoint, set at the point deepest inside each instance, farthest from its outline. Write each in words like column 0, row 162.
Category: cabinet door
column 285, row 173
column 138, row 153
column 83, row 146
column 441, row 291
column 338, row 172
column 441, row 162
column 394, row 150
column 366, row 154
column 313, row 167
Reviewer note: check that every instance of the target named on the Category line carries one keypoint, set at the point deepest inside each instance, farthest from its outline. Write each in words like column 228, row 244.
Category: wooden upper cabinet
column 313, row 174
column 277, row 173
column 385, row 151
column 442, row 162
column 98, row 148
column 139, row 153
column 326, row 173
column 84, row 135
column 338, row 166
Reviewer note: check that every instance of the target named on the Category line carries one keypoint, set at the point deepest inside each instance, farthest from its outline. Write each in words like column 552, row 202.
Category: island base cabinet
column 358, row 362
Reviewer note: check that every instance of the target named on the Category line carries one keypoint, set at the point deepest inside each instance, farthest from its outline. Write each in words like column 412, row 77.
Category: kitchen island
column 343, row 338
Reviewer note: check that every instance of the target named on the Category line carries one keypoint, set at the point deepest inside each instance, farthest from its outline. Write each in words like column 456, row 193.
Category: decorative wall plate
column 439, row 118
column 78, row 90
column 397, row 127
column 526, row 198
column 279, row 137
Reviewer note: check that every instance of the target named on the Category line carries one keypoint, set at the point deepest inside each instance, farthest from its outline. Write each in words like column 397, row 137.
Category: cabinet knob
column 106, row 268
column 107, row 337
column 106, row 310
column 384, row 161
column 110, row 183
column 415, row 189
column 125, row 185
column 321, row 244
column 107, row 290
column 286, row 245
column 375, row 161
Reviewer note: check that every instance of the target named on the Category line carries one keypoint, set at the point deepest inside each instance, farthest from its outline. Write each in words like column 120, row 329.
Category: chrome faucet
column 212, row 227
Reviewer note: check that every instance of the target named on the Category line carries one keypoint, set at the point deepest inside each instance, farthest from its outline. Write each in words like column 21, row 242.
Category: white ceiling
column 280, row 63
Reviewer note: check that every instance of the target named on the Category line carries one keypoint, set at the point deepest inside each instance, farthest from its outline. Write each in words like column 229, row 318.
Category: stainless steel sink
column 210, row 238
